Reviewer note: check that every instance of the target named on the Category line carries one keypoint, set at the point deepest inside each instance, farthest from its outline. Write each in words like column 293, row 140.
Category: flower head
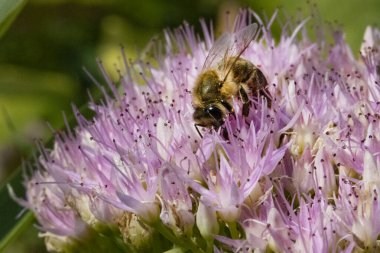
column 299, row 172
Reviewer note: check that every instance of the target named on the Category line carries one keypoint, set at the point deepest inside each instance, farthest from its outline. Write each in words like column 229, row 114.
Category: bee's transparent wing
column 218, row 51
column 240, row 42
column 230, row 45
column 243, row 37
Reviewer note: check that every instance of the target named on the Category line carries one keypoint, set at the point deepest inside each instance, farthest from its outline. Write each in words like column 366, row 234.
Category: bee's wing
column 243, row 37
column 230, row 45
column 219, row 51
column 240, row 42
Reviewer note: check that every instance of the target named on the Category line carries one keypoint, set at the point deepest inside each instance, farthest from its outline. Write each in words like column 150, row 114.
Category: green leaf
column 11, row 226
column 9, row 9
column 20, row 227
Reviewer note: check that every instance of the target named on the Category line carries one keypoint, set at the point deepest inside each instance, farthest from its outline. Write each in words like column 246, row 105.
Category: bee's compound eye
column 215, row 112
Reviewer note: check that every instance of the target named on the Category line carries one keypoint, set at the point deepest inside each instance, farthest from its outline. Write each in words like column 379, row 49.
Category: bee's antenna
column 196, row 127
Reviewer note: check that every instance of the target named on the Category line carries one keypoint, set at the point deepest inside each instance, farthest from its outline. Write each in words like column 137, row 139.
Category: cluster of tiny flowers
column 300, row 173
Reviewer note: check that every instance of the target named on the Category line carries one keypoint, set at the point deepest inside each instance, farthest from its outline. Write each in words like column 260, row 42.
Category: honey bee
column 224, row 76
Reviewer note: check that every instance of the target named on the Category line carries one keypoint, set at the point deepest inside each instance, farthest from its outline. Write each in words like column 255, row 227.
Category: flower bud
column 207, row 222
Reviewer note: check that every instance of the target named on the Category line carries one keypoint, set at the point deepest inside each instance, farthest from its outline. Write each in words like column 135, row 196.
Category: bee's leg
column 244, row 98
column 227, row 105
column 259, row 83
column 265, row 93
column 199, row 132
column 225, row 134
column 243, row 94
column 246, row 107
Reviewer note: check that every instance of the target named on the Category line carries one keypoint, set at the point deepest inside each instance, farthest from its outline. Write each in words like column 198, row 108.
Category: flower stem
column 210, row 244
column 233, row 230
column 24, row 223
column 186, row 244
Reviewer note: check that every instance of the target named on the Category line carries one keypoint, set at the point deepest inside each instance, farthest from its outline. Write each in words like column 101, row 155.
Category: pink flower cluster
column 300, row 175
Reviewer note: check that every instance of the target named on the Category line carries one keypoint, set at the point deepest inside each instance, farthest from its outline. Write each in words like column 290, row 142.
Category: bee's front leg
column 245, row 99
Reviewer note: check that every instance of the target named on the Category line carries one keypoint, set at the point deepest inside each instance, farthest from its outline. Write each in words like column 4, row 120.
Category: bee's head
column 210, row 116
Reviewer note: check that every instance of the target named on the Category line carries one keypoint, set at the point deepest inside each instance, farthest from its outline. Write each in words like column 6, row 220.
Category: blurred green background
column 43, row 53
